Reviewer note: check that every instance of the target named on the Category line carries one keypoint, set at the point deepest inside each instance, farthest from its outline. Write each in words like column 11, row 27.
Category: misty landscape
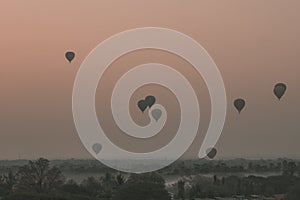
column 272, row 179
column 235, row 62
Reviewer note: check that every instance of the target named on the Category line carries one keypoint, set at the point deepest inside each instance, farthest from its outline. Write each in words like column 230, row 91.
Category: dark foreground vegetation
column 42, row 180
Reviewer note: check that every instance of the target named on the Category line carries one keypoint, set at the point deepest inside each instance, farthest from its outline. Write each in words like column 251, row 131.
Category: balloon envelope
column 281, row 84
column 97, row 148
column 156, row 114
column 70, row 55
column 239, row 104
column 211, row 152
column 150, row 100
column 279, row 90
column 142, row 104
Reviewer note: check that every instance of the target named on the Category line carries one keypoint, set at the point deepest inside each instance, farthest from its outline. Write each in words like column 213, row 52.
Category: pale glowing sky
column 254, row 43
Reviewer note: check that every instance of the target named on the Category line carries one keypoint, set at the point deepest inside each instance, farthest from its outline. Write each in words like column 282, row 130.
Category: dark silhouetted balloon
column 239, row 104
column 279, row 90
column 211, row 152
column 142, row 104
column 150, row 100
column 70, row 56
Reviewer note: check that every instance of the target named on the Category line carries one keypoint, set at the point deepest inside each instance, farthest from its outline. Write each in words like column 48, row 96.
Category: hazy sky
column 254, row 43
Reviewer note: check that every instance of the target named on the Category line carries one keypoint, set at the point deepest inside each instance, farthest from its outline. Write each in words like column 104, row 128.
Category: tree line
column 37, row 180
column 233, row 186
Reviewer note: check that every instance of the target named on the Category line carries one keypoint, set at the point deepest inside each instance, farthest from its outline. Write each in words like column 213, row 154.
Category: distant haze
column 254, row 43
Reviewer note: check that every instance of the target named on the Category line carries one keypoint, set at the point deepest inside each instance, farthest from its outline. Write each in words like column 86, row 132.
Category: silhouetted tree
column 38, row 177
column 92, row 186
column 294, row 193
column 73, row 188
column 149, row 186
column 284, row 167
column 108, row 184
column 291, row 168
column 223, row 180
column 181, row 190
column 216, row 181
column 288, row 168
column 7, row 183
column 120, row 179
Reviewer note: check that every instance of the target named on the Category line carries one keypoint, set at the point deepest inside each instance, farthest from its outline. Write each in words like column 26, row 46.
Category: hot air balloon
column 239, row 104
column 142, row 104
column 150, row 100
column 70, row 55
column 156, row 114
column 279, row 90
column 96, row 148
column 211, row 152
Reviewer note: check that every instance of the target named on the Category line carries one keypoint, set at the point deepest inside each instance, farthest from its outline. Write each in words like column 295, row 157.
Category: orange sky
column 254, row 43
